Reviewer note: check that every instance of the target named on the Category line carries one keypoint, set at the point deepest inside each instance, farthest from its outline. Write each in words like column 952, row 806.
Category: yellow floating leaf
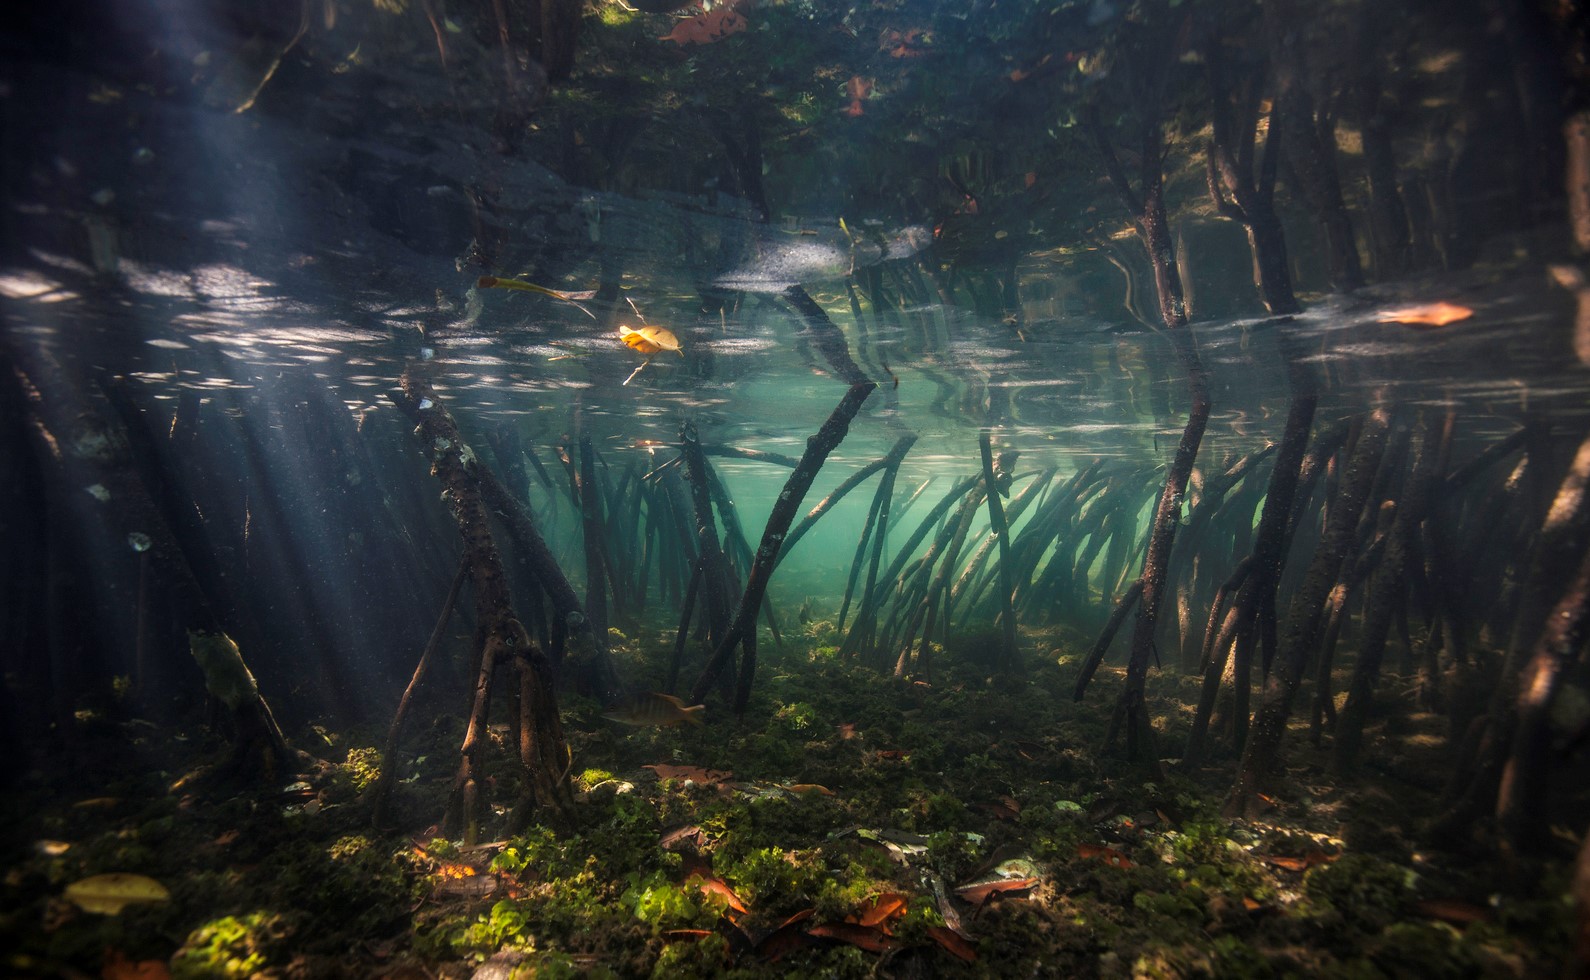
column 109, row 894
column 650, row 340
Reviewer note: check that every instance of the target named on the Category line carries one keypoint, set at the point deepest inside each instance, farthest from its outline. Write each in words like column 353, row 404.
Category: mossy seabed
column 1139, row 876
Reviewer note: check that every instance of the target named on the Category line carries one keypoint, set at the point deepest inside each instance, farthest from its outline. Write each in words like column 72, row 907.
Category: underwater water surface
column 1039, row 487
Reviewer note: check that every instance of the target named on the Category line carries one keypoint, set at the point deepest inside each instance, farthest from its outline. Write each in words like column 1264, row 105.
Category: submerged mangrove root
column 1387, row 587
column 1521, row 808
column 499, row 632
column 381, row 793
column 1130, row 709
column 1304, row 620
column 588, row 661
column 1258, row 577
column 742, row 631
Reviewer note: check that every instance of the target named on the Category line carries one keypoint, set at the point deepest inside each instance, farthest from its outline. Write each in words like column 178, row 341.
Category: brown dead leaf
column 713, row 885
column 688, row 836
column 1301, row 863
column 707, row 28
column 786, row 939
column 953, row 943
column 1108, row 855
column 695, row 774
column 889, row 905
column 1452, row 911
column 862, row 937
column 119, row 967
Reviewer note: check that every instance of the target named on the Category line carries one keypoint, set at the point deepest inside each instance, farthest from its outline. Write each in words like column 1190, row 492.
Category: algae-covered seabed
column 844, row 797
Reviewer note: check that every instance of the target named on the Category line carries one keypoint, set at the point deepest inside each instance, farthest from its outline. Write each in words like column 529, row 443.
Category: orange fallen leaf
column 979, row 893
column 449, row 869
column 859, row 936
column 717, row 886
column 889, row 905
column 1426, row 314
column 707, row 28
column 1302, row 863
column 674, row 935
column 891, row 754
column 1251, row 904
column 803, row 789
column 857, row 89
column 1108, row 855
column 952, row 942
column 847, row 731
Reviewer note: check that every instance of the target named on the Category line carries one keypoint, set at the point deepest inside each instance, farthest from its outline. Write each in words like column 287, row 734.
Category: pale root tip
column 694, row 712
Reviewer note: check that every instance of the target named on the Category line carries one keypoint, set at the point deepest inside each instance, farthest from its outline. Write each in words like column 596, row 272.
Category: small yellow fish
column 661, row 710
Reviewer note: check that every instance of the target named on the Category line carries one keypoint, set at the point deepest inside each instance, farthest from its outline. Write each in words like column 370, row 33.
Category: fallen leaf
column 980, row 892
column 707, row 28
column 687, row 836
column 904, row 44
column 862, row 937
column 119, row 967
column 109, row 894
column 717, row 886
column 952, row 942
column 673, row 935
column 847, row 731
column 1452, row 911
column 453, row 870
column 695, row 774
column 891, row 754
column 887, row 906
column 98, row 803
column 1108, row 855
column 804, row 788
column 858, row 89
column 786, row 939
column 1426, row 315
column 1303, row 863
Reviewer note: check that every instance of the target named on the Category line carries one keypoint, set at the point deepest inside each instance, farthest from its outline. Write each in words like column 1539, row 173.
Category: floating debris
column 108, row 894
column 1426, row 315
